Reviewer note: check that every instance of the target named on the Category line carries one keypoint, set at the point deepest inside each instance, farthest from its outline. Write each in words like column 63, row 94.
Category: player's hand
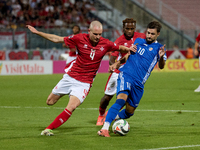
column 162, row 51
column 133, row 48
column 32, row 29
column 114, row 66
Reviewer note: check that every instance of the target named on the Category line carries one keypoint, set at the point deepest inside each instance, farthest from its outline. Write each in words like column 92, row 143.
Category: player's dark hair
column 154, row 25
column 128, row 20
column 77, row 27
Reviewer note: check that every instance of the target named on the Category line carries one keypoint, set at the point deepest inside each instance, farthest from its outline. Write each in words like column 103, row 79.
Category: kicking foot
column 47, row 132
column 103, row 132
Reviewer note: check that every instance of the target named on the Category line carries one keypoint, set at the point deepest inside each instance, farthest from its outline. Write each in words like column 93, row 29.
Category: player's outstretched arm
column 117, row 64
column 124, row 49
column 161, row 62
column 50, row 37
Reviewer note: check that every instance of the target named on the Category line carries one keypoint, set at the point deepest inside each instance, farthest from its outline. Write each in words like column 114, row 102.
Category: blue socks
column 124, row 114
column 114, row 110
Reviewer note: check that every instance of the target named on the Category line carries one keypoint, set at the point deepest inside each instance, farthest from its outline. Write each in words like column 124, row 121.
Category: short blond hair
column 96, row 24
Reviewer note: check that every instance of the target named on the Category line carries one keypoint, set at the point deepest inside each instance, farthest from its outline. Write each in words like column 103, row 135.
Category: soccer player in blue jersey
column 134, row 74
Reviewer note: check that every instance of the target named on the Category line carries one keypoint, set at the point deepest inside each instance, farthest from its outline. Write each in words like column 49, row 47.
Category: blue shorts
column 128, row 86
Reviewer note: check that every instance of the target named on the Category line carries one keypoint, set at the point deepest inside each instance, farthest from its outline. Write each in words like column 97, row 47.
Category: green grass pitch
column 168, row 116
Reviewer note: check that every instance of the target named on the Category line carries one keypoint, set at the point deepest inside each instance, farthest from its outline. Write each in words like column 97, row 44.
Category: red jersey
column 72, row 54
column 123, row 41
column 198, row 40
column 88, row 60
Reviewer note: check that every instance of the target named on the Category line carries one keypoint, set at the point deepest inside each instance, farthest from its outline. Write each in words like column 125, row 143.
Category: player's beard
column 149, row 41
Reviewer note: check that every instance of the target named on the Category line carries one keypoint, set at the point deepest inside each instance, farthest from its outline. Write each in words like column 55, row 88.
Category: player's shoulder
column 198, row 36
column 139, row 40
column 105, row 41
column 158, row 44
column 80, row 35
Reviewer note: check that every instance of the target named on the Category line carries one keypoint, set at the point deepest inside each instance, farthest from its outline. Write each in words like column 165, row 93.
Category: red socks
column 101, row 111
column 60, row 119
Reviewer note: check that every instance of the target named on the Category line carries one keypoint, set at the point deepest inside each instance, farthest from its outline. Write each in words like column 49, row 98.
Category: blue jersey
column 140, row 64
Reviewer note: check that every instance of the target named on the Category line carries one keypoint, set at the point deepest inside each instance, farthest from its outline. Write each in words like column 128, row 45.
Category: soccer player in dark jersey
column 133, row 75
column 127, row 39
column 81, row 72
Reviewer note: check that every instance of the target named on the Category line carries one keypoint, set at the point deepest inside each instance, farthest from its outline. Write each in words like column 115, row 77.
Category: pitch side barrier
column 31, row 67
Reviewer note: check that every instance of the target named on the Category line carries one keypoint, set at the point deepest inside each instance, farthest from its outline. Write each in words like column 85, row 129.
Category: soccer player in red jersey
column 127, row 39
column 81, row 72
column 196, row 52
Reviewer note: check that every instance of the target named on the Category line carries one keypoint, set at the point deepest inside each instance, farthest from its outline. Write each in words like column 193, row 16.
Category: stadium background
column 168, row 115
column 180, row 28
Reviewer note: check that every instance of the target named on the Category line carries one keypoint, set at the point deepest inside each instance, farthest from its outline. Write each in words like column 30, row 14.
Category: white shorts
column 70, row 86
column 111, row 85
column 70, row 58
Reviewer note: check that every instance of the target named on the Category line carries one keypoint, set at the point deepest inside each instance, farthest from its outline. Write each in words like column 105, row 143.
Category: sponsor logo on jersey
column 150, row 48
column 115, row 44
column 125, row 44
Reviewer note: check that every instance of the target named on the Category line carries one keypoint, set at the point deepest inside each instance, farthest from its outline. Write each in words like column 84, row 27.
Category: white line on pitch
column 168, row 110
column 195, row 79
column 176, row 147
column 29, row 107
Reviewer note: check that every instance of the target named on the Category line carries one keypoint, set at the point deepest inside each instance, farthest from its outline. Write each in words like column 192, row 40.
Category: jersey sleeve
column 198, row 38
column 70, row 41
column 115, row 53
column 113, row 46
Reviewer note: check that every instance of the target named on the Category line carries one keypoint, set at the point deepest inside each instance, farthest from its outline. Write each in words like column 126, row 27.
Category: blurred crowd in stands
column 45, row 13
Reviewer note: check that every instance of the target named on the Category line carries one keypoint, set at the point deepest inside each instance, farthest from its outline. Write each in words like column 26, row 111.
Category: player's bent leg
column 52, row 99
column 102, row 108
column 74, row 102
column 105, row 101
column 126, row 113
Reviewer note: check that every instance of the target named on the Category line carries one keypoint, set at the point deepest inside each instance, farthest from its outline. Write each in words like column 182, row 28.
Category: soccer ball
column 121, row 127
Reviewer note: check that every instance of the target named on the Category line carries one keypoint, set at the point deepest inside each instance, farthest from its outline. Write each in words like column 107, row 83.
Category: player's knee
column 128, row 114
column 108, row 97
column 49, row 101
column 52, row 99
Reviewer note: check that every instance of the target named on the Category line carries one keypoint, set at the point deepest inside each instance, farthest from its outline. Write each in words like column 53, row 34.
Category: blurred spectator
column 176, row 48
column 45, row 13
column 59, row 22
column 190, row 53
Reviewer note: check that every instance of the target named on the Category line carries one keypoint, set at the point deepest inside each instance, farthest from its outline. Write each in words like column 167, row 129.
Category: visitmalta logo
column 1, row 65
